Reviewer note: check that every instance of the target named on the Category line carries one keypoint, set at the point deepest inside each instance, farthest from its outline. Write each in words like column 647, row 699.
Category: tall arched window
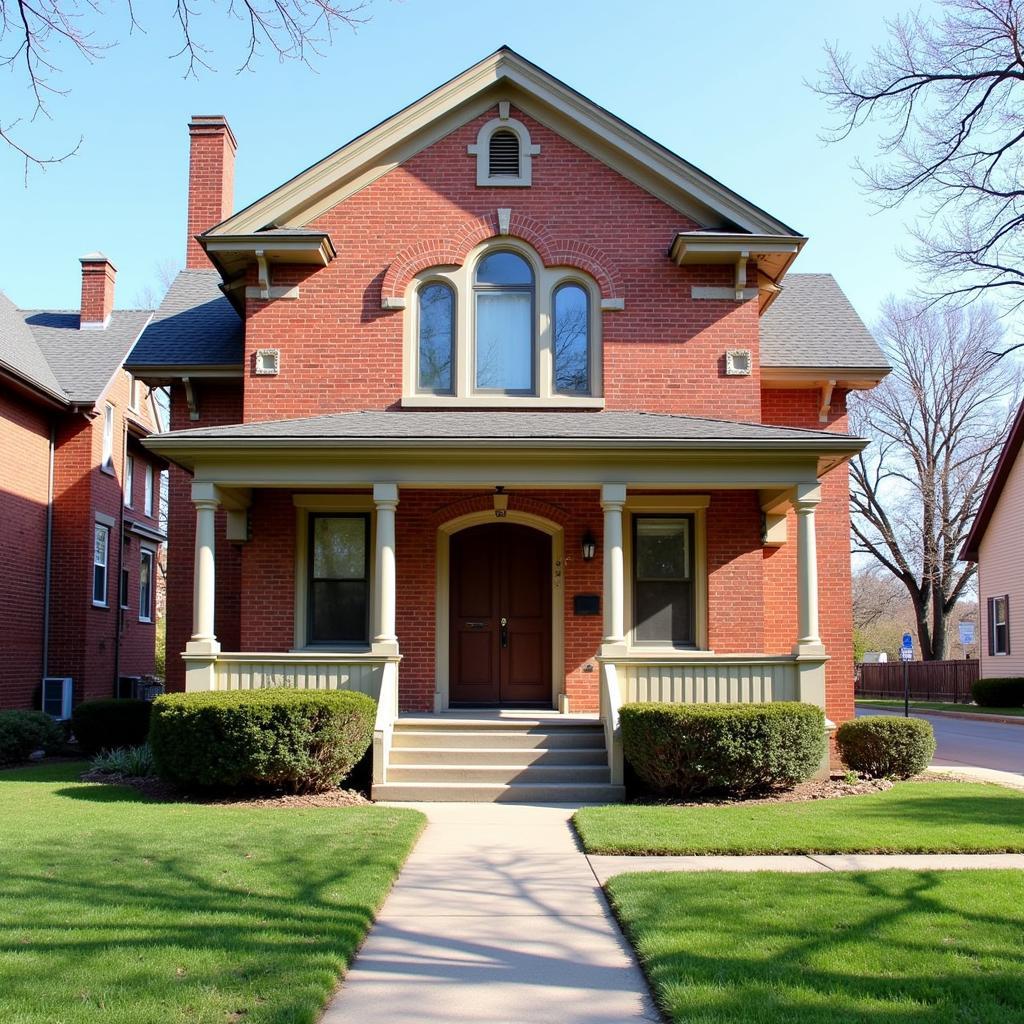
column 436, row 348
column 571, row 315
column 504, row 298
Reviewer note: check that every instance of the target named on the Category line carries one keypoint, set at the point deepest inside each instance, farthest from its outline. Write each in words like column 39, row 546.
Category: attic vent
column 503, row 155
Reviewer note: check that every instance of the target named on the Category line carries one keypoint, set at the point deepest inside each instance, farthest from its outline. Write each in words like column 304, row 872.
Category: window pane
column 339, row 547
column 504, row 340
column 572, row 341
column 664, row 611
column 338, row 611
column 145, row 585
column 437, row 323
column 100, row 551
column 662, row 549
column 504, row 268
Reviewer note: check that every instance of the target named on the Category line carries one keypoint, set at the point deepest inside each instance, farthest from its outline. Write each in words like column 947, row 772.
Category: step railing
column 384, row 726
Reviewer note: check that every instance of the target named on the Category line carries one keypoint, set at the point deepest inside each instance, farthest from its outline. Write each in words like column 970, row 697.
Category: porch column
column 613, row 497
column 807, row 498
column 385, row 500
column 202, row 650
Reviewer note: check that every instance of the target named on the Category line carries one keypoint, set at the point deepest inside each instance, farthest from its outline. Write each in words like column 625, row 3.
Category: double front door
column 500, row 652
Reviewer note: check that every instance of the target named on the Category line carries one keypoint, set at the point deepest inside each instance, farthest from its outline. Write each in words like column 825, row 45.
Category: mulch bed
column 157, row 789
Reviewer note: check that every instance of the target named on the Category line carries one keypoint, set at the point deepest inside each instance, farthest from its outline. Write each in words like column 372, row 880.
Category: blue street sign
column 966, row 633
column 906, row 654
column 908, row 641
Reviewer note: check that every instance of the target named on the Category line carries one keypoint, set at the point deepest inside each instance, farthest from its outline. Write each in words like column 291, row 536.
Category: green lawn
column 912, row 817
column 116, row 910
column 936, row 705
column 872, row 948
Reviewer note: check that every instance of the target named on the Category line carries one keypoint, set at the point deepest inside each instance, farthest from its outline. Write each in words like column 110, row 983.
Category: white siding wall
column 1001, row 571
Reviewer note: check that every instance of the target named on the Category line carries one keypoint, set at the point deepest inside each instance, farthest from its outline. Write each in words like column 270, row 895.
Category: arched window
column 571, row 335
column 503, row 154
column 504, row 299
column 436, row 348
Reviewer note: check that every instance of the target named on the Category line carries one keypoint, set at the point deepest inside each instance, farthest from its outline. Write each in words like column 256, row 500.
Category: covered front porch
column 539, row 573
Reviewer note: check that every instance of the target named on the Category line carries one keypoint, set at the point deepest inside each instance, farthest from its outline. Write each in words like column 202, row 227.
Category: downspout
column 48, row 556
column 119, row 613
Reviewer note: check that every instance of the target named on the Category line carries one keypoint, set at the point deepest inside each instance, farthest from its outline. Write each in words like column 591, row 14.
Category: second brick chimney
column 98, row 276
column 211, row 180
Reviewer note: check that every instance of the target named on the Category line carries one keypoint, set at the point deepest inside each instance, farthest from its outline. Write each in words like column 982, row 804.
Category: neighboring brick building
column 80, row 529
column 504, row 391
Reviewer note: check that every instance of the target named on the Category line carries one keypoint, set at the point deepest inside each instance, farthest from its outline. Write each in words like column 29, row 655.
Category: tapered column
column 385, row 500
column 613, row 497
column 805, row 502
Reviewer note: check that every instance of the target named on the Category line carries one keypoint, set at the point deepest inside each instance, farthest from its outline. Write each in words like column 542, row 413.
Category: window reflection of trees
column 436, row 340
column 572, row 340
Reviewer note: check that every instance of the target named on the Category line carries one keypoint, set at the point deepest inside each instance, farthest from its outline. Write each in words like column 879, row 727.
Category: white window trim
column 107, row 523
column 481, row 150
column 107, row 459
column 668, row 504
column 145, row 551
column 460, row 279
column 129, row 480
column 994, row 625
column 134, row 385
column 147, row 500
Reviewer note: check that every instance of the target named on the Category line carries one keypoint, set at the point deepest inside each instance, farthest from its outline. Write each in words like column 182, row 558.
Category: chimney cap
column 96, row 257
column 200, row 123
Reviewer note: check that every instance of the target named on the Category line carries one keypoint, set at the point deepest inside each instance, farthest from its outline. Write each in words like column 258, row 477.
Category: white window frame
column 107, row 461
column 129, row 480
column 147, row 498
column 107, row 527
column 464, row 393
column 146, row 614
column 1002, row 600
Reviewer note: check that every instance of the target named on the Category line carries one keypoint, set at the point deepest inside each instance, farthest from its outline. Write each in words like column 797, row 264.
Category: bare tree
column 937, row 422
column 948, row 91
column 37, row 36
column 877, row 596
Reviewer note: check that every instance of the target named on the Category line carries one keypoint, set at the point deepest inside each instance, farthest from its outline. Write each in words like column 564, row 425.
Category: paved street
column 963, row 741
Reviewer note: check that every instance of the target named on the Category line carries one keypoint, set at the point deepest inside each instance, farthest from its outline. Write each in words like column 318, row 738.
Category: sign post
column 906, row 655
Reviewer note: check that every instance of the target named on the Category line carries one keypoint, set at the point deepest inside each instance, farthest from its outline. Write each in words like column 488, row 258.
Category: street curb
column 1001, row 719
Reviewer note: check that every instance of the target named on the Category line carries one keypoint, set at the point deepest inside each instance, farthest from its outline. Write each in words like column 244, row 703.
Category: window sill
column 100, row 604
column 145, row 622
column 499, row 402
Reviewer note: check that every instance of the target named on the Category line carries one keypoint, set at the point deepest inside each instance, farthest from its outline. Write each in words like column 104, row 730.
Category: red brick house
column 503, row 405
column 79, row 499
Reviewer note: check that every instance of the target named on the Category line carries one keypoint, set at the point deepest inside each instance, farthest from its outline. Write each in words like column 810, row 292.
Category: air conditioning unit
column 57, row 697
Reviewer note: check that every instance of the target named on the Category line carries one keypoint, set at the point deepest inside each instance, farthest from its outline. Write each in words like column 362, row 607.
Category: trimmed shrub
column 885, row 747
column 723, row 748
column 303, row 741
column 999, row 693
column 131, row 762
column 110, row 723
column 24, row 732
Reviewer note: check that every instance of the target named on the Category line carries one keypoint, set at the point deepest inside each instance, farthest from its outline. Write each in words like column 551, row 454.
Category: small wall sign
column 586, row 604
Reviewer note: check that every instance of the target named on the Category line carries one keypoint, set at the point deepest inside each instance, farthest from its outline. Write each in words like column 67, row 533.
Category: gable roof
column 195, row 326
column 990, row 499
column 811, row 323
column 503, row 75
column 47, row 350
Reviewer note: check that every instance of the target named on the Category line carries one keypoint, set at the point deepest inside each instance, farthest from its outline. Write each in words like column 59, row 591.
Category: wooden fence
column 929, row 680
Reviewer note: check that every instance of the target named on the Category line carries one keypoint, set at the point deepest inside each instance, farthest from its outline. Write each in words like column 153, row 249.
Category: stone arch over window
column 504, row 153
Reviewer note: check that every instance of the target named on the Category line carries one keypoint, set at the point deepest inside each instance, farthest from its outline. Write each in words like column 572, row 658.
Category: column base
column 387, row 648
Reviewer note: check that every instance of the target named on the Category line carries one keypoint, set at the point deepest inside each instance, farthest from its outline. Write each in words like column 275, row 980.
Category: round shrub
column 24, row 732
column 723, row 748
column 303, row 741
column 999, row 693
column 110, row 724
column 886, row 747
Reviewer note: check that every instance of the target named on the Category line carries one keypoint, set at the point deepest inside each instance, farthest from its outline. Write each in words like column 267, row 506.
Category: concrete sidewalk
column 496, row 918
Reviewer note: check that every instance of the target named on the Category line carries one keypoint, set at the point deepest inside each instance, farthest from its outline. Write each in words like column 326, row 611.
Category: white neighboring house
column 995, row 544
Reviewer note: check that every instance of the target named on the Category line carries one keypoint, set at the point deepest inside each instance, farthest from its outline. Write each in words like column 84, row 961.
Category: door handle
column 504, row 632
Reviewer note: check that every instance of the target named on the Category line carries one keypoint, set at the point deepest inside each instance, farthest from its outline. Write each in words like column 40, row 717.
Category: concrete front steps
column 515, row 759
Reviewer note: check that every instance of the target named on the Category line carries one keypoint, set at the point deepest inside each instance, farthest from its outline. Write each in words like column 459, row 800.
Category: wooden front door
column 500, row 616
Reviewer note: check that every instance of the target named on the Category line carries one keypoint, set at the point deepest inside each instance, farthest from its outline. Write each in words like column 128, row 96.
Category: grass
column 912, row 817
column 118, row 910
column 937, row 705
column 892, row 946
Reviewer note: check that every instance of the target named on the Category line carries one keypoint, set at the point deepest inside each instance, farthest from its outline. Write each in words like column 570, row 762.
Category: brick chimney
column 211, row 180
column 98, row 275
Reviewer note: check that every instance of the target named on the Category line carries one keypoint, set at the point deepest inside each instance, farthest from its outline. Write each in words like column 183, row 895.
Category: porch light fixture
column 500, row 503
column 589, row 546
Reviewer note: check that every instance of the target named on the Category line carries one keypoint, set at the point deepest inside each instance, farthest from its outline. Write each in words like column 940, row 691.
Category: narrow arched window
column 436, row 338
column 571, row 308
column 504, row 293
column 503, row 154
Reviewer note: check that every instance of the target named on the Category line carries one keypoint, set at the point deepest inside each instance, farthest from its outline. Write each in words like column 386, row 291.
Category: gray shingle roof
column 811, row 323
column 19, row 350
column 493, row 426
column 84, row 361
column 194, row 326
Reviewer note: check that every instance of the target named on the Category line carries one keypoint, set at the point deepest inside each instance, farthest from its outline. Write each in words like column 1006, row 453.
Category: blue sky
column 722, row 85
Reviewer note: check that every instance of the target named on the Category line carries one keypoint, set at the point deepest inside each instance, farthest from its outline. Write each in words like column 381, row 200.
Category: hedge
column 886, row 747
column 682, row 749
column 24, row 732
column 303, row 741
column 110, row 724
column 999, row 692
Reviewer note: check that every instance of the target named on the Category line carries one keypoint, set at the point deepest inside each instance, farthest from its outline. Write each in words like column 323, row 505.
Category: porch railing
column 254, row 671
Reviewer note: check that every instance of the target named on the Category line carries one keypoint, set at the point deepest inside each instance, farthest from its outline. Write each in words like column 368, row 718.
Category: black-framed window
column 435, row 355
column 100, row 561
column 663, row 590
column 338, row 600
column 999, row 625
column 147, row 563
